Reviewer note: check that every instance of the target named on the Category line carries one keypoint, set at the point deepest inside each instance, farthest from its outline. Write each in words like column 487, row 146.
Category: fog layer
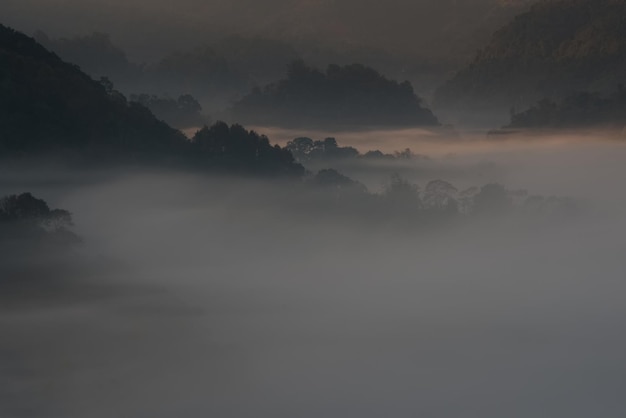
column 196, row 296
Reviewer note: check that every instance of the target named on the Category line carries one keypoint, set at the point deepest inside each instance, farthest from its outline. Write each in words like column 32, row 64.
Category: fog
column 583, row 163
column 199, row 296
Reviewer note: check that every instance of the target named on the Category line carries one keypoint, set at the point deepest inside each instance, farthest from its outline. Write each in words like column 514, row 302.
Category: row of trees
column 30, row 228
column 235, row 149
column 438, row 200
column 308, row 150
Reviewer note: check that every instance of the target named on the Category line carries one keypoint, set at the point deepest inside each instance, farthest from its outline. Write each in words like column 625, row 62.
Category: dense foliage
column 28, row 223
column 556, row 48
column 353, row 95
column 237, row 150
column 308, row 150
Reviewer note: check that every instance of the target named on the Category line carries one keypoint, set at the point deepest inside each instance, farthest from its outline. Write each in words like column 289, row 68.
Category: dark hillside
column 557, row 48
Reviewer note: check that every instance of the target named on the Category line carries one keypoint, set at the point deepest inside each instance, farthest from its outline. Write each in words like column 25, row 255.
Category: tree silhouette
column 440, row 195
column 402, row 194
column 26, row 219
column 236, row 149
column 349, row 95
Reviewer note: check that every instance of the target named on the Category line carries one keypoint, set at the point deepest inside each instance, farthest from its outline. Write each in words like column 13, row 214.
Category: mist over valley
column 306, row 209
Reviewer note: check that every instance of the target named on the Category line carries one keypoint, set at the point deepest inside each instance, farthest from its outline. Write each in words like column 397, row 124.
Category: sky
column 426, row 27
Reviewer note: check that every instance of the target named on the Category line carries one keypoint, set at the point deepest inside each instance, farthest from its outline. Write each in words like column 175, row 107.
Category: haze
column 426, row 28
column 342, row 246
column 199, row 296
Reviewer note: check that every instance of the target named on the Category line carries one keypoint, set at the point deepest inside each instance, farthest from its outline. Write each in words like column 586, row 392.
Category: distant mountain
column 216, row 72
column 50, row 106
column 581, row 110
column 556, row 48
column 353, row 95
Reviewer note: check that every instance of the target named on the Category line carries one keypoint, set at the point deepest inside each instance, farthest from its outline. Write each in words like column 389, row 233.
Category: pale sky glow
column 416, row 26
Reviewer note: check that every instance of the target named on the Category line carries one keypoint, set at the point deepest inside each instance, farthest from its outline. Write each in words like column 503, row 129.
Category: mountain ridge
column 556, row 48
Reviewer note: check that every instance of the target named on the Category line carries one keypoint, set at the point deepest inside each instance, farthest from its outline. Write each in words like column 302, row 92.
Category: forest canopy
column 352, row 95
column 555, row 49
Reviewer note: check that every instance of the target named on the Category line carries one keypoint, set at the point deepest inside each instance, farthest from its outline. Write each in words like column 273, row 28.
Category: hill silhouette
column 580, row 110
column 353, row 95
column 47, row 104
column 555, row 49
column 96, row 55
column 50, row 106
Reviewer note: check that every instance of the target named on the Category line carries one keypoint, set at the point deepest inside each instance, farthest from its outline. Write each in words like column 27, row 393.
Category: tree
column 24, row 218
column 301, row 148
column 399, row 192
column 440, row 195
column 234, row 148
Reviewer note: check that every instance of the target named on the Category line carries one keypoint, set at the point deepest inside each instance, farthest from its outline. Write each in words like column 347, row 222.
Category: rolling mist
column 312, row 208
column 197, row 295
